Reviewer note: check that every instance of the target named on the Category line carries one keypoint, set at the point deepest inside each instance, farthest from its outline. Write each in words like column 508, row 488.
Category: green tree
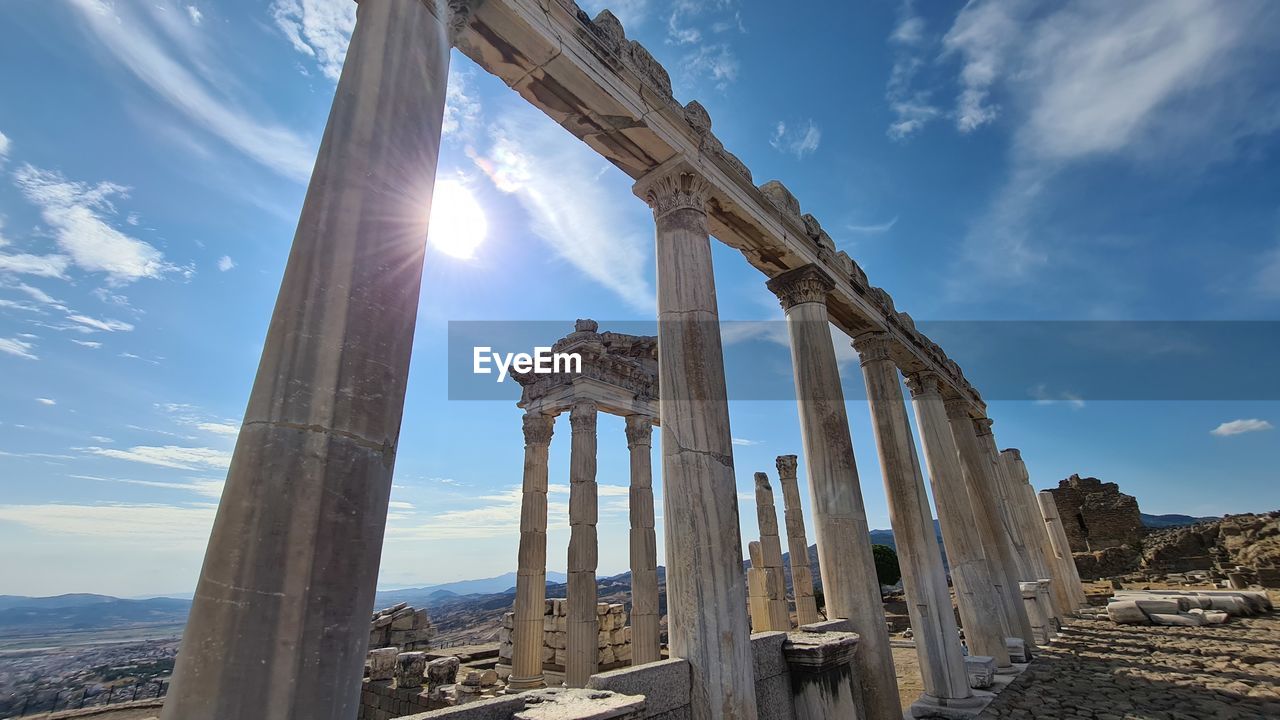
column 887, row 570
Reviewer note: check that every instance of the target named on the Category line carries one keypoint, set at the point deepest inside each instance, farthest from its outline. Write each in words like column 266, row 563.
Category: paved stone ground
column 1102, row 671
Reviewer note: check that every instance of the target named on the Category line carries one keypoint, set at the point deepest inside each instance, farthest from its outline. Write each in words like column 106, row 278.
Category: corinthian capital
column 639, row 431
column 582, row 417
column 677, row 188
column 804, row 284
column 925, row 382
column 786, row 466
column 538, row 428
column 873, row 347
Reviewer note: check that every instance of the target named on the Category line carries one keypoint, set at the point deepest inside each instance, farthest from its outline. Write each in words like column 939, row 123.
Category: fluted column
column 531, row 572
column 1059, row 584
column 280, row 618
column 979, row 481
column 1061, row 548
column 1025, row 572
column 1032, row 526
column 981, row 608
column 771, row 556
column 933, row 623
column 848, row 569
column 707, row 620
column 582, row 653
column 646, row 639
column 797, row 542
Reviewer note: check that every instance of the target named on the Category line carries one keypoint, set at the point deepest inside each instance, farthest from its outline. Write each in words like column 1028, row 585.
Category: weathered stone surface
column 664, row 684
column 382, row 663
column 581, row 704
column 981, row 670
column 786, row 203
column 442, row 671
column 410, row 669
column 1096, row 515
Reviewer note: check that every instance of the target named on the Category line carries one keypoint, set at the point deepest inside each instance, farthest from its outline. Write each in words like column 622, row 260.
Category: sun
column 458, row 225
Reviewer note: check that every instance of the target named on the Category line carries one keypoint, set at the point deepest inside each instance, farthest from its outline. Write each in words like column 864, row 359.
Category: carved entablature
column 982, row 426
column 648, row 68
column 925, row 382
column 697, row 117
column 582, row 417
column 873, row 347
column 608, row 30
column 802, row 285
column 883, row 300
column 786, row 465
column 623, row 368
column 712, row 145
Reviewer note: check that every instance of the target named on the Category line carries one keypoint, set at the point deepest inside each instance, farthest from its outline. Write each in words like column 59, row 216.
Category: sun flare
column 458, row 224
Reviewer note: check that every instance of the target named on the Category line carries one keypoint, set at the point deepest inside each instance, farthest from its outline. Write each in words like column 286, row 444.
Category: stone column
column 582, row 653
column 1061, row 548
column 1039, row 532
column 758, row 590
column 933, row 623
column 531, row 572
column 280, row 616
column 707, row 620
column 646, row 639
column 1025, row 571
column 849, row 582
column 1032, row 528
column 980, row 483
column 797, row 543
column 771, row 555
column 981, row 608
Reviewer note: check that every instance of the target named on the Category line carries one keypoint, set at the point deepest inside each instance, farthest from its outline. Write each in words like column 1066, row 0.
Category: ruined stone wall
column 1096, row 515
column 614, row 636
column 401, row 626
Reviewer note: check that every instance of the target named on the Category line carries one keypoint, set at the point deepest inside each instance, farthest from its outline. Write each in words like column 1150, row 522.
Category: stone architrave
column 280, row 615
column 979, row 481
column 797, row 543
column 933, row 622
column 981, row 607
column 1061, row 548
column 771, row 555
column 581, row 651
column 646, row 645
column 848, row 569
column 531, row 572
column 707, row 620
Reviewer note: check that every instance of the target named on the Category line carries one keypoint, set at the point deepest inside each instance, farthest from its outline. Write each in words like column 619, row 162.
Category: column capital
column 924, row 383
column 786, row 465
column 762, row 482
column 582, row 417
column 1014, row 452
column 538, row 428
column 873, row 347
column 982, row 426
column 672, row 188
column 957, row 408
column 639, row 431
column 801, row 285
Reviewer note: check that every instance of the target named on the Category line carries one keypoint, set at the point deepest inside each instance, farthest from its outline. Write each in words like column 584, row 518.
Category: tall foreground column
column 531, row 572
column 582, row 652
column 771, row 555
column 707, row 619
column 933, row 623
column 280, row 617
column 1061, row 548
column 646, row 639
column 1026, row 570
column 797, row 542
column 979, row 481
column 981, row 609
column 849, row 583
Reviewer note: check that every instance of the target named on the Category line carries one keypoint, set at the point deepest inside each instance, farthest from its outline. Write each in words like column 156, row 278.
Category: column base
column 515, row 685
column 929, row 706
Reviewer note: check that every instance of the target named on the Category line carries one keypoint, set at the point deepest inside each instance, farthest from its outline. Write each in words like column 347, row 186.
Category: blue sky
column 997, row 160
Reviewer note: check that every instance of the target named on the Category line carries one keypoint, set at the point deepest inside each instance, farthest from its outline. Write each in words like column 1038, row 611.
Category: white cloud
column 5, row 144
column 744, row 442
column 194, row 13
column 117, row 521
column 320, row 29
column 874, row 228
column 128, row 37
column 88, row 343
column 225, row 263
column 631, row 13
column 46, row 401
column 713, row 61
column 229, row 429
column 205, row 487
column 912, row 109
column 795, row 142
column 600, row 231
column 1237, row 427
column 461, row 108
column 17, row 348
column 983, row 35
column 170, row 456
column 1043, row 396
column 107, row 325
column 50, row 266
column 76, row 212
column 499, row 516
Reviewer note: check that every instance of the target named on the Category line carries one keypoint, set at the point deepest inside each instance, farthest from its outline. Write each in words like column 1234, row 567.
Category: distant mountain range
column 1165, row 521
column 25, row 615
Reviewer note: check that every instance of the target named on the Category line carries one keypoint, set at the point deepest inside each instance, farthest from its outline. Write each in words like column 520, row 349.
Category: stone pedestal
column 797, row 542
column 279, row 617
column 531, row 573
column 980, row 604
column 924, row 582
column 583, row 628
column 848, row 570
column 771, row 556
column 707, row 620
column 1035, row 611
column 646, row 636
column 822, row 676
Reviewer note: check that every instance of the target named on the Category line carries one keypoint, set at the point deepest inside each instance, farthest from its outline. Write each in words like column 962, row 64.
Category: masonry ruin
column 279, row 616
column 1096, row 515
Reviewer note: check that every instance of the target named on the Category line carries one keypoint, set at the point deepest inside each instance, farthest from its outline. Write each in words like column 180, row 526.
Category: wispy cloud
column 1043, row 396
column 228, row 429
column 912, row 108
column 320, row 29
column 4, row 147
column 170, row 456
column 715, row 62
column 128, row 33
column 798, row 141
column 225, row 263
column 194, row 13
column 107, row 325
column 1238, row 427
column 744, row 442
column 46, row 401
column 204, row 487
column 874, row 228
column 88, row 343
column 140, row 523
column 17, row 348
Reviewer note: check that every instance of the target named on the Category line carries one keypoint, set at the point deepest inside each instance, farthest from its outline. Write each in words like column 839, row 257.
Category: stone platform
column 1100, row 671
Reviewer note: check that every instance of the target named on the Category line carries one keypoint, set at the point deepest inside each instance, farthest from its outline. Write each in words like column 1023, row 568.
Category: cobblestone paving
column 1102, row 671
